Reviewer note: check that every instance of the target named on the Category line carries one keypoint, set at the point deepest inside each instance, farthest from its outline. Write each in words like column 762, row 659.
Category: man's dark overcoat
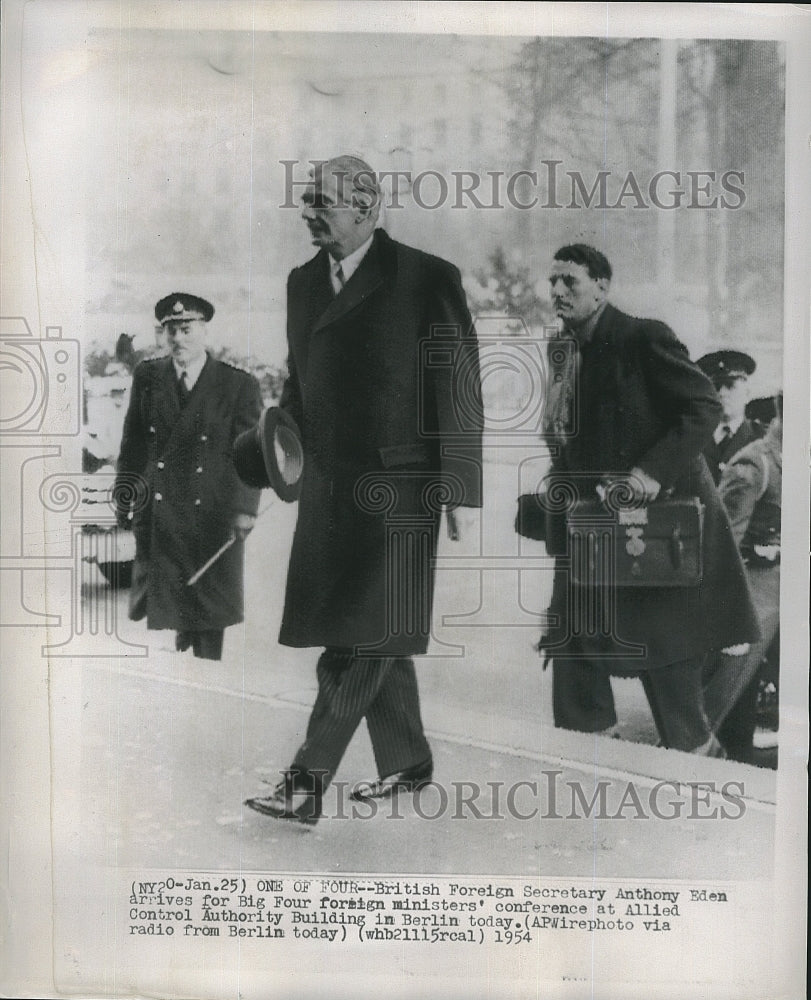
column 190, row 492
column 641, row 402
column 384, row 384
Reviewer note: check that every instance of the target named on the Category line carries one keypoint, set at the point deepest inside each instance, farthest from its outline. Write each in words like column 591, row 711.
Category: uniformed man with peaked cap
column 729, row 372
column 177, row 486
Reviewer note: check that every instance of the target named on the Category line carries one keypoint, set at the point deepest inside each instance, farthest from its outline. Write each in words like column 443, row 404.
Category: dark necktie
column 726, row 437
column 339, row 275
column 182, row 390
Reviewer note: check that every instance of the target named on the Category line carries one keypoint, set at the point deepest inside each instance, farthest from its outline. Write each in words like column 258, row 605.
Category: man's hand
column 636, row 485
column 644, row 486
column 460, row 523
column 741, row 649
column 243, row 526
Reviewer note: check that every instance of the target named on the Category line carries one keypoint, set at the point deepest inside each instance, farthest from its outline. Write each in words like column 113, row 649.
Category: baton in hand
column 223, row 548
column 207, row 565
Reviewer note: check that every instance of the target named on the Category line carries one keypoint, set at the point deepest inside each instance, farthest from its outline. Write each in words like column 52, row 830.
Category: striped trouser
column 384, row 690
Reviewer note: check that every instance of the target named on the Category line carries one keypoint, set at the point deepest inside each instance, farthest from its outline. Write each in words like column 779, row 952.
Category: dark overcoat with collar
column 640, row 402
column 384, row 384
column 187, row 491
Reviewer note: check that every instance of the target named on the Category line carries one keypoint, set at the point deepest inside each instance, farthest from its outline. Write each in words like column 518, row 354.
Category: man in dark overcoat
column 729, row 372
column 384, row 385
column 176, row 484
column 627, row 407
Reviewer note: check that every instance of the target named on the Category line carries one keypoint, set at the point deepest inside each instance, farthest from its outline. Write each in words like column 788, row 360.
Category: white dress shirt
column 192, row 372
column 348, row 265
column 733, row 425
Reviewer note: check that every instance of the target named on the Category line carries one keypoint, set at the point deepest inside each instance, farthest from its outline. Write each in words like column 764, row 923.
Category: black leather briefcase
column 658, row 545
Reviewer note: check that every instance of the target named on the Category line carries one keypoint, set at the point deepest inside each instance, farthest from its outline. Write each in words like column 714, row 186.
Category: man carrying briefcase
column 627, row 417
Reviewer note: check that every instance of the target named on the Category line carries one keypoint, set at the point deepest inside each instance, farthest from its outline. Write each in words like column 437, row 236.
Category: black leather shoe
column 291, row 799
column 183, row 641
column 412, row 779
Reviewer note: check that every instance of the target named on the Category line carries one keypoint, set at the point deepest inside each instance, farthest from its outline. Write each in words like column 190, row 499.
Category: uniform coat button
column 197, row 502
column 160, row 465
column 158, row 497
column 199, row 468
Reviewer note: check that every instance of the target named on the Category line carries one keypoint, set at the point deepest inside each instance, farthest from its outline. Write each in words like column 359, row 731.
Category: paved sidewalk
column 167, row 759
column 155, row 754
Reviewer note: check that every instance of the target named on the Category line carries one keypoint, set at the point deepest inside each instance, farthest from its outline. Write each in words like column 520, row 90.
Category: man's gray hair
column 365, row 189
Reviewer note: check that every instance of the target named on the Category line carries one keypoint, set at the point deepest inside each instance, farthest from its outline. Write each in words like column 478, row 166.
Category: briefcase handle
column 603, row 488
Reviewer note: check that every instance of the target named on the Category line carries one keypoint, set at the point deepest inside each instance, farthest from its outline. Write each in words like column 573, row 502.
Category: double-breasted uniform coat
column 187, row 492
column 384, row 385
column 640, row 402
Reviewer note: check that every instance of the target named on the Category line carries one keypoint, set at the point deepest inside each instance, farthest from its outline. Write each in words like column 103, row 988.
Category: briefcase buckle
column 638, row 515
column 635, row 545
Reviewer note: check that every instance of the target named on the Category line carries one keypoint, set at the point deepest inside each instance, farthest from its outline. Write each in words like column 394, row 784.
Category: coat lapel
column 368, row 277
column 607, row 328
column 164, row 397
